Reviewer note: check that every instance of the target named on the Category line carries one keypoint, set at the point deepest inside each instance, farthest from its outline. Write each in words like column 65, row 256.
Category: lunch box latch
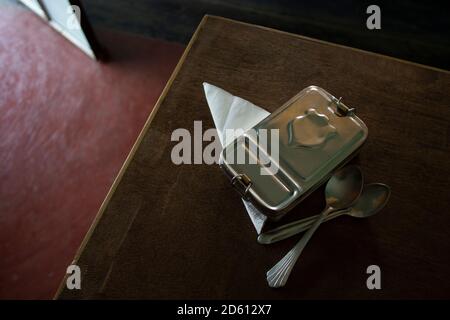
column 242, row 183
column 342, row 110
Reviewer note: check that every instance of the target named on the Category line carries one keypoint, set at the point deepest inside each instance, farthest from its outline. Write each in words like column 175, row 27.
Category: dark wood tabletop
column 181, row 231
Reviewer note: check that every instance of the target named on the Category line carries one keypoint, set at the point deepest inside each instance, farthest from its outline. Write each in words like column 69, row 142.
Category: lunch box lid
column 316, row 134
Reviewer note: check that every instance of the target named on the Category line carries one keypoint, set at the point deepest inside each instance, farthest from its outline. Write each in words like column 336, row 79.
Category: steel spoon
column 341, row 191
column 373, row 198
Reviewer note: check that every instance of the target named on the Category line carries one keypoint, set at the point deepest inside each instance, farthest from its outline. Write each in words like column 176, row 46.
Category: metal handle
column 242, row 183
column 341, row 109
column 290, row 229
column 278, row 275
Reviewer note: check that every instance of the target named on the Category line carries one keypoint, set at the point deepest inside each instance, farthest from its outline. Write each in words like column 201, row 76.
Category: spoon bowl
column 342, row 190
column 373, row 198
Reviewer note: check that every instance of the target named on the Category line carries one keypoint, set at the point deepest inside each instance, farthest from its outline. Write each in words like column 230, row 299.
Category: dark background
column 413, row 30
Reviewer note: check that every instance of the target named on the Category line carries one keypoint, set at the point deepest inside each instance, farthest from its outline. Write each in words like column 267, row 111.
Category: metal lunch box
column 317, row 134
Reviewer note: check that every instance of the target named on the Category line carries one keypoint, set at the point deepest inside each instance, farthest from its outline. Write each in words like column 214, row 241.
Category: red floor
column 66, row 126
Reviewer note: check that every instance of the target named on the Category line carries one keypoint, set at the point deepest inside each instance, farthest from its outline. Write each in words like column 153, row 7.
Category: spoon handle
column 278, row 275
column 293, row 228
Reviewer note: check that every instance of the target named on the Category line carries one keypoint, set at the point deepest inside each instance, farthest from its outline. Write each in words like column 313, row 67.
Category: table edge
column 380, row 55
column 130, row 156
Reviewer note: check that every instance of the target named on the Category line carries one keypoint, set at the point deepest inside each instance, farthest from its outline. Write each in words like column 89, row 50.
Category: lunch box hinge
column 342, row 110
column 242, row 183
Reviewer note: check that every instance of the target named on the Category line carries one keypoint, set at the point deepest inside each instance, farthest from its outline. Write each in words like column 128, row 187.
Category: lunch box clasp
column 242, row 183
column 341, row 109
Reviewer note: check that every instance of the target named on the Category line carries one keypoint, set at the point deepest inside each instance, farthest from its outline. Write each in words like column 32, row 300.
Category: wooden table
column 181, row 232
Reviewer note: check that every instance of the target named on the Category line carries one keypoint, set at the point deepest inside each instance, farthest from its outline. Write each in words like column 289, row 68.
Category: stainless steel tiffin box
column 316, row 135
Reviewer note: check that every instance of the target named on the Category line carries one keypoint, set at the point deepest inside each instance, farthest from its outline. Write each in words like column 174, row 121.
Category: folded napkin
column 232, row 112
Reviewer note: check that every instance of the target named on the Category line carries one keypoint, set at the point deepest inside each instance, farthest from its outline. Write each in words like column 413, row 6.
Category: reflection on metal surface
column 310, row 130
column 317, row 135
column 342, row 190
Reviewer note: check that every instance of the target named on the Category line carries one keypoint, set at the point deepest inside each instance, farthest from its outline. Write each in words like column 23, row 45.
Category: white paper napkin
column 232, row 112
